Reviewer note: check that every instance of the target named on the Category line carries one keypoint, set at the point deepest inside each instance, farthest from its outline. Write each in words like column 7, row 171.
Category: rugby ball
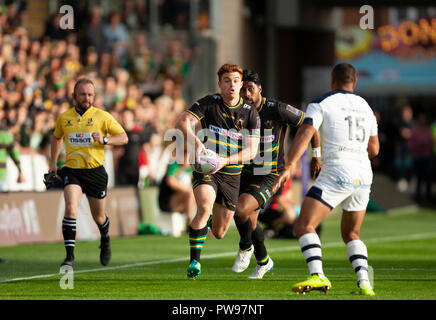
column 208, row 162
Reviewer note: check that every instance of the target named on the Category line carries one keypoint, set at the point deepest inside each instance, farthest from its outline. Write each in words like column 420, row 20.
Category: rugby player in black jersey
column 232, row 130
column 259, row 176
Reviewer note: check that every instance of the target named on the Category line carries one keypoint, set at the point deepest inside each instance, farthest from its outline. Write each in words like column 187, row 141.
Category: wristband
column 316, row 152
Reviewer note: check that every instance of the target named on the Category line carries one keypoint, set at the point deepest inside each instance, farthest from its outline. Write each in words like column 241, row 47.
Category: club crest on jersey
column 239, row 124
column 90, row 123
column 270, row 104
column 269, row 124
column 68, row 124
column 246, row 106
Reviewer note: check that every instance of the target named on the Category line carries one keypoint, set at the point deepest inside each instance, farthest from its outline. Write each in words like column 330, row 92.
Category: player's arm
column 373, row 142
column 315, row 163
column 373, row 147
column 295, row 117
column 187, row 123
column 298, row 147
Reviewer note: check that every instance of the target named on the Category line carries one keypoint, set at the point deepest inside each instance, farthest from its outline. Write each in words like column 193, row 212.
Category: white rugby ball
column 208, row 162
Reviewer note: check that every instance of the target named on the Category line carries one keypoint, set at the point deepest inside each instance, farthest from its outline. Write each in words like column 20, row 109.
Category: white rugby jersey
column 345, row 122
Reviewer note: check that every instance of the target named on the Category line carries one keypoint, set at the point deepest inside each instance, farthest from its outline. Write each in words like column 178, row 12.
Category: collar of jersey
column 237, row 106
column 85, row 113
column 262, row 104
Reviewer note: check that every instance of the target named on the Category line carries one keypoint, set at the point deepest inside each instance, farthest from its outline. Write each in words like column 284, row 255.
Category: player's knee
column 350, row 235
column 219, row 234
column 70, row 210
column 204, row 209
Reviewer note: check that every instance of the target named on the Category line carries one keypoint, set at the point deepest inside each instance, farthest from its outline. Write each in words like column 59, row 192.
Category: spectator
column 421, row 147
column 117, row 37
column 175, row 190
column 94, row 34
column 128, row 167
column 403, row 159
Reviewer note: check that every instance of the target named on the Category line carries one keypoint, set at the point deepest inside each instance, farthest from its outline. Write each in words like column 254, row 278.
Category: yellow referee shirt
column 82, row 152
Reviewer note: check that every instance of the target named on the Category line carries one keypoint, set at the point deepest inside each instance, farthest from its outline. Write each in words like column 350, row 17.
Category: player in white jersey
column 349, row 139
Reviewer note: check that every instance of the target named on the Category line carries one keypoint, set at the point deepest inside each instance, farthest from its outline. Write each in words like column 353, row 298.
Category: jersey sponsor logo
column 267, row 139
column 224, row 132
column 80, row 139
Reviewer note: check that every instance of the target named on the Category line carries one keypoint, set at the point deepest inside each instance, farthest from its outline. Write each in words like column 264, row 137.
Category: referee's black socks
column 69, row 233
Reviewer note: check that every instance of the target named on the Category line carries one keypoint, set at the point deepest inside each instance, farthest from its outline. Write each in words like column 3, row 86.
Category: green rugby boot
column 194, row 269
column 313, row 282
column 365, row 289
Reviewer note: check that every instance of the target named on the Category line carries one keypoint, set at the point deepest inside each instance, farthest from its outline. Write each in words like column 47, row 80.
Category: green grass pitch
column 401, row 249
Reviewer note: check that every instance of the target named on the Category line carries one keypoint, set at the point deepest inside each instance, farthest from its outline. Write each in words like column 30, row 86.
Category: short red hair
column 228, row 68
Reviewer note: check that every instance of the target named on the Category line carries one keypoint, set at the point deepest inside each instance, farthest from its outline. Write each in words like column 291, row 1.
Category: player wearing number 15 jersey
column 348, row 131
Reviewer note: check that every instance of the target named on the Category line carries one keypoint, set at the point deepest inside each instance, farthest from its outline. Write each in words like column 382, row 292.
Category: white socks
column 311, row 249
column 358, row 256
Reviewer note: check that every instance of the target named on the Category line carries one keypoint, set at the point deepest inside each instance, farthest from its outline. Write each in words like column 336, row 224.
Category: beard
column 82, row 107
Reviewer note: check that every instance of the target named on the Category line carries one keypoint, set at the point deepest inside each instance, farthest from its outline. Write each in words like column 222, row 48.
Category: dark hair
column 250, row 75
column 344, row 73
column 82, row 81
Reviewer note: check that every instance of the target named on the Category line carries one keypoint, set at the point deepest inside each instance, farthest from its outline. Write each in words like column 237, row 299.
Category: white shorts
column 338, row 185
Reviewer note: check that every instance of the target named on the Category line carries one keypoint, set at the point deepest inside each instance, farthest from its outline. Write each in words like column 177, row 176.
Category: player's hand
column 199, row 150
column 284, row 176
column 223, row 163
column 97, row 137
column 315, row 167
column 21, row 178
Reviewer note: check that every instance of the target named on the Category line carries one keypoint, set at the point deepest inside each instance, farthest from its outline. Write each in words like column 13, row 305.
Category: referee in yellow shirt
column 86, row 130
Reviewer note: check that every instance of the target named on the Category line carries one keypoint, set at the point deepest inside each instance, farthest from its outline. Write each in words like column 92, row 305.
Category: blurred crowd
column 408, row 151
column 142, row 88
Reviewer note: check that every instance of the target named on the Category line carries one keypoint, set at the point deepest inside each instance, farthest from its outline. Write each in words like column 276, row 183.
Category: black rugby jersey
column 275, row 116
column 227, row 128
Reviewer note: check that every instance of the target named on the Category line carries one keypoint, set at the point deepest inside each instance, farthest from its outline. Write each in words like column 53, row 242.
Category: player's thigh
column 98, row 209
column 72, row 195
column 247, row 205
column 204, row 197
column 350, row 224
column 312, row 213
column 354, row 209
column 221, row 219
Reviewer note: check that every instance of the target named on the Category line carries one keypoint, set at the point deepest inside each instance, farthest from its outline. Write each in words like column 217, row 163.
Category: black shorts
column 226, row 187
column 260, row 187
column 92, row 181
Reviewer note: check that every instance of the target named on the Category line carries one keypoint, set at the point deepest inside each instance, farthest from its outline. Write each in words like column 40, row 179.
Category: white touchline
column 227, row 254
